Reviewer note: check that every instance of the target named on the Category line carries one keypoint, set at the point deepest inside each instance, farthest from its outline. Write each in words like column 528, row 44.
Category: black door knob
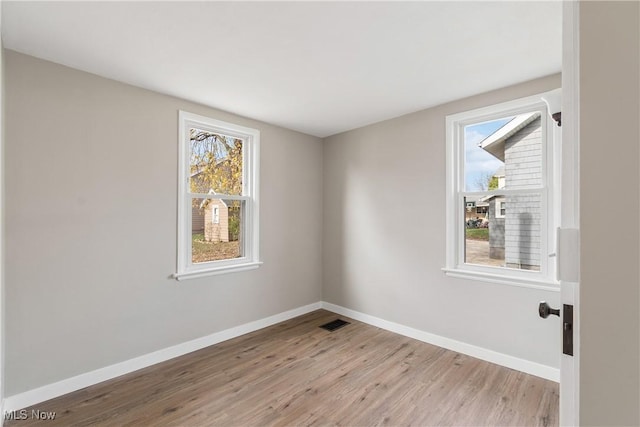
column 544, row 310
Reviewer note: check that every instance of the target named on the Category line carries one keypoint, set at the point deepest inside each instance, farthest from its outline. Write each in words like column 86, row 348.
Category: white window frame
column 456, row 192
column 500, row 201
column 215, row 214
column 250, row 170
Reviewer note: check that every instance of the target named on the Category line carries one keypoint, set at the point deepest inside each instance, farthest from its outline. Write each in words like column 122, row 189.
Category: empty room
column 320, row 213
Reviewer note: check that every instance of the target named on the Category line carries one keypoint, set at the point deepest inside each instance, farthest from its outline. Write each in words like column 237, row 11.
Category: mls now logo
column 16, row 415
column 34, row 414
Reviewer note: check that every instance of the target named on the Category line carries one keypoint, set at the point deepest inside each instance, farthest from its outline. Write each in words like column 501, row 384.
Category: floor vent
column 335, row 324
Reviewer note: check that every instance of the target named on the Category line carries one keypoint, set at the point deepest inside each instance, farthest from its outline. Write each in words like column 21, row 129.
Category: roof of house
column 494, row 143
column 478, row 200
column 205, row 202
column 487, row 199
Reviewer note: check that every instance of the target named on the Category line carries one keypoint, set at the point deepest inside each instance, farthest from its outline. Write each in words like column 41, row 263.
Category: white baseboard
column 511, row 362
column 50, row 391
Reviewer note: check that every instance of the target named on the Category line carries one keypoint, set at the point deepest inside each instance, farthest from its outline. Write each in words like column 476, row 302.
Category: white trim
column 502, row 280
column 50, row 391
column 500, row 201
column 234, row 268
column 501, row 359
column 2, row 232
column 215, row 214
column 570, row 202
column 486, row 195
column 250, row 192
column 497, row 111
column 213, row 195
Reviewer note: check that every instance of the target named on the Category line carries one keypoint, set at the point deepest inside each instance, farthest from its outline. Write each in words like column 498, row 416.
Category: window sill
column 545, row 285
column 217, row 270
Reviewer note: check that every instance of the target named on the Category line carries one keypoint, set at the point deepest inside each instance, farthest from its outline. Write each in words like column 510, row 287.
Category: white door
column 568, row 249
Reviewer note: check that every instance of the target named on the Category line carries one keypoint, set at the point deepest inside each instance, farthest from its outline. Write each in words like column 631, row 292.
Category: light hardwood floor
column 295, row 373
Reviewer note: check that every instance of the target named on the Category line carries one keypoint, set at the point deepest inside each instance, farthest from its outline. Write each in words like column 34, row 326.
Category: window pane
column 508, row 235
column 216, row 229
column 216, row 163
column 505, row 153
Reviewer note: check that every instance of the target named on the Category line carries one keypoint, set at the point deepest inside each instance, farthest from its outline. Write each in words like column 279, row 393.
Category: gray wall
column 91, row 179
column 609, row 182
column 384, row 238
column 79, row 298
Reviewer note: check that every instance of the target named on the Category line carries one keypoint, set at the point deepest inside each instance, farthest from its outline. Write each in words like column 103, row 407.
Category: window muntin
column 218, row 188
column 501, row 157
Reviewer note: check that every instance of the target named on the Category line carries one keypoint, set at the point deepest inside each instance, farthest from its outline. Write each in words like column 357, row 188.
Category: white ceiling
column 316, row 67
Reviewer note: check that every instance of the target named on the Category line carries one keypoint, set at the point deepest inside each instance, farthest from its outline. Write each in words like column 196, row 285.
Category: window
column 216, row 214
column 218, row 182
column 501, row 208
column 502, row 158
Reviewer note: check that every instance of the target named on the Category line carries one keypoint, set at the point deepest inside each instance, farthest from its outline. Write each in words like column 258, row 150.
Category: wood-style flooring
column 297, row 374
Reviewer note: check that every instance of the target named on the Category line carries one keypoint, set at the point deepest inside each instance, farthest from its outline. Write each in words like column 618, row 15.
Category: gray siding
column 523, row 167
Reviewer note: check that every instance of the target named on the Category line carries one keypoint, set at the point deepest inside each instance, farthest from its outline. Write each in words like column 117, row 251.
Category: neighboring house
column 475, row 208
column 515, row 221
column 216, row 220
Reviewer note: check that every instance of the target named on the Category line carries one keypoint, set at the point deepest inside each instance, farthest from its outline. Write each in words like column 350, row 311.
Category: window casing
column 539, row 192
column 240, row 204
